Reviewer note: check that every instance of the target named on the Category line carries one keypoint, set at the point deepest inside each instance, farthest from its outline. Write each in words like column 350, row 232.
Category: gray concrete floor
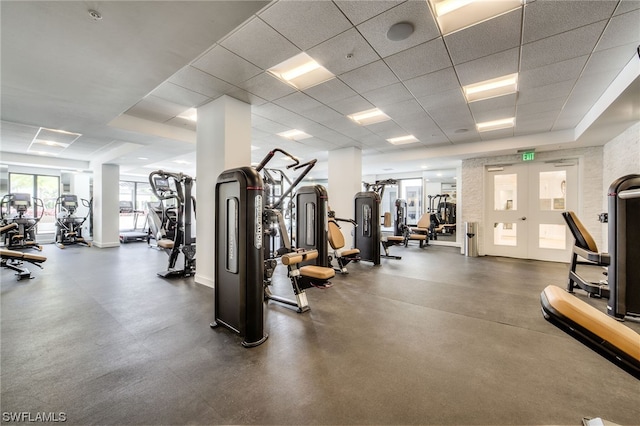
column 434, row 338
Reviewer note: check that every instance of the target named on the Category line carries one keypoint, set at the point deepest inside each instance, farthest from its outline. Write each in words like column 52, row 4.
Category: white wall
column 621, row 156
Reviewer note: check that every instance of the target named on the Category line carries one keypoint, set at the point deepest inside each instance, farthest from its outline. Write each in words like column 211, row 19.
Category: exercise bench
column 302, row 277
column 13, row 259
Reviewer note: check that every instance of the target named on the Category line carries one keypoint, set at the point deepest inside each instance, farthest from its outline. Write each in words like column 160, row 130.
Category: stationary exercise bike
column 23, row 235
column 68, row 225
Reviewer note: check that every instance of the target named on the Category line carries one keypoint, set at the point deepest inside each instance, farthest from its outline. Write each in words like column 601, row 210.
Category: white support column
column 345, row 180
column 223, row 142
column 81, row 187
column 106, row 178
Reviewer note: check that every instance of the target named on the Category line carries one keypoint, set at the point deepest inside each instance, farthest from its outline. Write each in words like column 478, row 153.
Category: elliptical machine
column 177, row 187
column 68, row 225
column 23, row 235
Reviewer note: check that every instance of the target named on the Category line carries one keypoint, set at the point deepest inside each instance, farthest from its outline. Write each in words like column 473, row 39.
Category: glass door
column 506, row 211
column 552, row 190
column 523, row 210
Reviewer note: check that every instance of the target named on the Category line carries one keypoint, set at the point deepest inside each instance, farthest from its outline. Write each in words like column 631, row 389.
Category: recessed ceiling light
column 424, row 167
column 294, row 135
column 181, row 162
column 369, row 116
column 401, row 140
column 142, row 158
column 253, row 147
column 301, row 72
column 51, row 141
column 492, row 88
column 191, row 114
column 503, row 123
column 454, row 15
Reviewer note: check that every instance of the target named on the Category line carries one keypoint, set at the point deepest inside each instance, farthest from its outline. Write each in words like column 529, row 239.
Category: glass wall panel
column 411, row 191
column 552, row 193
column 505, row 234
column 506, row 192
column 552, row 236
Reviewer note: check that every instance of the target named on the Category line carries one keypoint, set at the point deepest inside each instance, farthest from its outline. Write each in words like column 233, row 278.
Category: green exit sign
column 528, row 156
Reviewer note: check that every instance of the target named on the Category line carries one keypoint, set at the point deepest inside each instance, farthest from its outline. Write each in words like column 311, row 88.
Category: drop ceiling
column 123, row 81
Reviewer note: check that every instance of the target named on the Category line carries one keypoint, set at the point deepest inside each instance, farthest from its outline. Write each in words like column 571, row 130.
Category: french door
column 523, row 207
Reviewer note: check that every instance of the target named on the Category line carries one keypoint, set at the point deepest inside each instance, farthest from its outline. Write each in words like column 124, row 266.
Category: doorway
column 523, row 207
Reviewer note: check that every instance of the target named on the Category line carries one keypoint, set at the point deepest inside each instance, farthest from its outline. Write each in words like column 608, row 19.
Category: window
column 46, row 188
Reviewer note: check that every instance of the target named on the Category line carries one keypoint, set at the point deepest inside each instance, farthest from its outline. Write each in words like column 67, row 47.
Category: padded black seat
column 586, row 248
column 613, row 338
column 337, row 243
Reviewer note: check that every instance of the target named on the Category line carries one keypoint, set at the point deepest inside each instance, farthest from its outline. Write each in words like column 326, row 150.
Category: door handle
column 523, row 218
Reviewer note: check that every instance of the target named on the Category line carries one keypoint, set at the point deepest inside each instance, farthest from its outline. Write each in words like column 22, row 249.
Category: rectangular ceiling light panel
column 493, row 88
column 301, row 72
column 454, row 15
column 294, row 135
column 51, row 141
column 401, row 140
column 503, row 123
column 370, row 116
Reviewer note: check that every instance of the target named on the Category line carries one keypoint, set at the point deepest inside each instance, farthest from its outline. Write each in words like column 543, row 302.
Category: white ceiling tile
column 344, row 52
column 360, row 11
column 488, row 67
column 306, row 23
column 547, row 18
column 351, row 105
column 452, row 117
column 432, row 83
column 484, row 39
column 199, row 81
column 322, row 114
column 267, row 87
column 422, row 59
column 552, row 73
column 483, row 115
column 547, row 105
column 260, row 44
column 247, row 97
column 415, row 12
column 451, row 98
column 627, row 6
column 225, row 65
column 387, row 129
column 561, row 47
column 496, row 134
column 330, row 91
column 457, row 136
column 388, row 95
column 297, row 102
column 486, row 107
column 179, row 95
column 541, row 93
column 182, row 123
column 610, row 59
column 155, row 109
column 266, row 125
column 623, row 29
column 400, row 109
column 369, row 77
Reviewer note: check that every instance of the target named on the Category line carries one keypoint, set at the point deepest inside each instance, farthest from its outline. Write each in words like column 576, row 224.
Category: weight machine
column 178, row 188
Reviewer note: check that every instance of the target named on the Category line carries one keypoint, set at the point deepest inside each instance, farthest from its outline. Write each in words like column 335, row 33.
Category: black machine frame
column 367, row 234
column 239, row 254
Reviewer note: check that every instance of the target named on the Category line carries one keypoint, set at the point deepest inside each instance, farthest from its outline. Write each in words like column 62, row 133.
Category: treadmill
column 135, row 234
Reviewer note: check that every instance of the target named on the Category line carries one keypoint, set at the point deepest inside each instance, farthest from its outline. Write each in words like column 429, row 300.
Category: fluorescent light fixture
column 503, row 123
column 493, row 88
column 51, row 141
column 253, row 148
column 370, row 116
column 455, row 15
column 301, row 72
column 191, row 114
column 294, row 135
column 401, row 140
column 142, row 158
column 181, row 162
column 447, row 6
